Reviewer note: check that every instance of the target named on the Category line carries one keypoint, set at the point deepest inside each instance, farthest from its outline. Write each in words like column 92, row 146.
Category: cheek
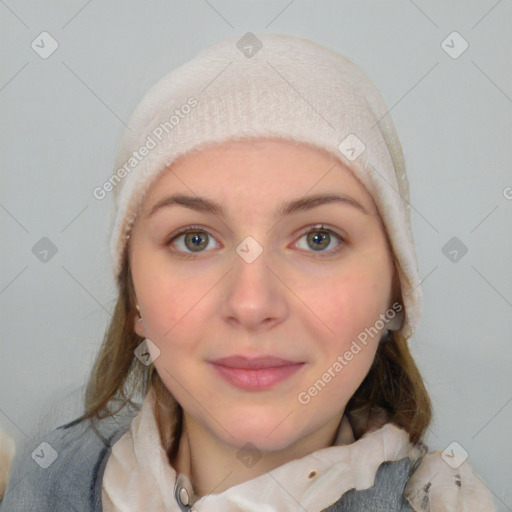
column 345, row 342
column 167, row 314
column 349, row 301
column 160, row 305
column 166, row 295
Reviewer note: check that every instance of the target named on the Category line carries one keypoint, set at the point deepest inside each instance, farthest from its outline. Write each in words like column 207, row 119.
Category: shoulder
column 407, row 478
column 431, row 487
column 440, row 484
column 61, row 469
column 434, row 481
column 386, row 493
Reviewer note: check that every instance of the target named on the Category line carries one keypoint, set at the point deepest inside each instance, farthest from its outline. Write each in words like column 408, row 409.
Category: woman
column 267, row 289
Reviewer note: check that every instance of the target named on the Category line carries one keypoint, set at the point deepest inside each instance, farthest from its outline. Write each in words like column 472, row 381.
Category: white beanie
column 270, row 85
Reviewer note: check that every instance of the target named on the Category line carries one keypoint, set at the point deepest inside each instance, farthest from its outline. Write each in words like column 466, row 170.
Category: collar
column 138, row 475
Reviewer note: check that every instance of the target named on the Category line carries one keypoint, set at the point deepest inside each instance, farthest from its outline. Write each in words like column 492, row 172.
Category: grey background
column 62, row 118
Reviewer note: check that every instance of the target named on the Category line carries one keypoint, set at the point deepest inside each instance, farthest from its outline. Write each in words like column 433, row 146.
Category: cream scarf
column 139, row 477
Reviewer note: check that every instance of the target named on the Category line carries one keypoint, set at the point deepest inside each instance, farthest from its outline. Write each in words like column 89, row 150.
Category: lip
column 254, row 374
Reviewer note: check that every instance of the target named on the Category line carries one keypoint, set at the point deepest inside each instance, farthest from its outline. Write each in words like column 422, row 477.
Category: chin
column 268, row 432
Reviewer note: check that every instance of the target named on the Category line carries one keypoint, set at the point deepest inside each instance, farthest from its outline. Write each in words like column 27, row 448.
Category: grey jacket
column 62, row 471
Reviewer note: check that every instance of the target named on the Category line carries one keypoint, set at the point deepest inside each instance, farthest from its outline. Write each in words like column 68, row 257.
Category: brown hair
column 392, row 391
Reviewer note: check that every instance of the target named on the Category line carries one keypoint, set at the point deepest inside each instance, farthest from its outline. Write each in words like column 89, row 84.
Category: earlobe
column 396, row 321
column 138, row 325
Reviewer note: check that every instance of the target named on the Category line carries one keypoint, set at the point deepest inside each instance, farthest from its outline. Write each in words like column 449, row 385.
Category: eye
column 192, row 240
column 319, row 238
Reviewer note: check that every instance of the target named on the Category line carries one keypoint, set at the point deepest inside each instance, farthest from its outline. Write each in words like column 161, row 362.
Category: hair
column 392, row 391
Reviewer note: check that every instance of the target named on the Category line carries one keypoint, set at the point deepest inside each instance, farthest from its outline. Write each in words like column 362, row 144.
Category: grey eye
column 193, row 241
column 319, row 239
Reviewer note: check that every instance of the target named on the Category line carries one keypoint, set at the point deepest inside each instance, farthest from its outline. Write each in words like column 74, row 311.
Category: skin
column 290, row 302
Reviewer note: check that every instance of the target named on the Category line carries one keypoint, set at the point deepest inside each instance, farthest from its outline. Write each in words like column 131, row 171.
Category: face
column 259, row 308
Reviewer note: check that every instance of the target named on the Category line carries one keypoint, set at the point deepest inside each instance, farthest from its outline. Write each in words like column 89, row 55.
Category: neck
column 214, row 466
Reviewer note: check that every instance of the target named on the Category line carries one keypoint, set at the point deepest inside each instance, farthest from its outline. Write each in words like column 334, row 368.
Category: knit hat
column 278, row 86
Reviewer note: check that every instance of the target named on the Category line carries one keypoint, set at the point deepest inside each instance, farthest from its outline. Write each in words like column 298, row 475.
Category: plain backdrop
column 62, row 117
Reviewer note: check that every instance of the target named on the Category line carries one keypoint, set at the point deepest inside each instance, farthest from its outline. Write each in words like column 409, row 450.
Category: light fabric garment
column 138, row 475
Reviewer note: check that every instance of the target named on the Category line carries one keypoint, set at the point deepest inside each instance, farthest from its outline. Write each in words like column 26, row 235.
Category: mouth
column 255, row 374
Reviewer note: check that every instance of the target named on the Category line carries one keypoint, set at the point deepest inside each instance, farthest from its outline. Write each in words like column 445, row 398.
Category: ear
column 138, row 326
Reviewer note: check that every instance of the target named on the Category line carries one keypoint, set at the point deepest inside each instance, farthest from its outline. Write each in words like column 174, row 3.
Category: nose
column 255, row 297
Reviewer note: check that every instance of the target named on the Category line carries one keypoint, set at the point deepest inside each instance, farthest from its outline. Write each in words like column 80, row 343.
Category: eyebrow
column 202, row 204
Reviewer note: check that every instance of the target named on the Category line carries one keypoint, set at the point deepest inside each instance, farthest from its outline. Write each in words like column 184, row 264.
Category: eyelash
column 310, row 229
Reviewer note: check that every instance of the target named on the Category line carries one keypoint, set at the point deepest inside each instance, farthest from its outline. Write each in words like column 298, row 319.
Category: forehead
column 258, row 169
